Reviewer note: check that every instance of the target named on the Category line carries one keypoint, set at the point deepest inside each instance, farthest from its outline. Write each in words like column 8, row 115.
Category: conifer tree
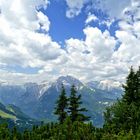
column 138, row 87
column 74, row 107
column 130, row 88
column 125, row 113
column 62, row 104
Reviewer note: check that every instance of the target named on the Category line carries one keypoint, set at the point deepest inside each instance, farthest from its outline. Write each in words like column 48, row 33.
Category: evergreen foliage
column 124, row 115
column 75, row 108
column 130, row 89
column 70, row 106
column 61, row 106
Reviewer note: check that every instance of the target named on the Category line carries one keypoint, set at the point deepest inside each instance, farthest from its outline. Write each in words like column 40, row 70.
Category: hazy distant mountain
column 94, row 99
column 38, row 100
column 110, row 91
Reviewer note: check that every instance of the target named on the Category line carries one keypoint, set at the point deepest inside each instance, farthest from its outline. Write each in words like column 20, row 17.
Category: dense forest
column 122, row 119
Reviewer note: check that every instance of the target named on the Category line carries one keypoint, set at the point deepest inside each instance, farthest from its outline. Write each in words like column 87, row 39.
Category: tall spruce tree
column 138, row 87
column 125, row 113
column 130, row 88
column 61, row 106
column 74, row 107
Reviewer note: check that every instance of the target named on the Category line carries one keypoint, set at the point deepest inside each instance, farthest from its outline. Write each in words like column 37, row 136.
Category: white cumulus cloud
column 74, row 7
column 90, row 18
column 20, row 43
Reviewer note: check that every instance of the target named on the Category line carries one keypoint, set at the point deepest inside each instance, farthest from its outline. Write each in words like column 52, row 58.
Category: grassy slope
column 6, row 115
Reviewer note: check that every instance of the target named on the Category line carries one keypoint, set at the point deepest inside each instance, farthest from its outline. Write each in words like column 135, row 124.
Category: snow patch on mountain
column 104, row 85
column 109, row 85
column 43, row 88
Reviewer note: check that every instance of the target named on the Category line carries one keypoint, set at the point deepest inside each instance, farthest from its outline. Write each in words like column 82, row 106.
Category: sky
column 92, row 40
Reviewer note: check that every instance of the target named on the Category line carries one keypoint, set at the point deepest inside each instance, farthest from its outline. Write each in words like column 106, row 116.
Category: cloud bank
column 93, row 58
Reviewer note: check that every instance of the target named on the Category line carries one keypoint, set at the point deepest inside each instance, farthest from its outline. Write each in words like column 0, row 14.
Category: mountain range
column 38, row 100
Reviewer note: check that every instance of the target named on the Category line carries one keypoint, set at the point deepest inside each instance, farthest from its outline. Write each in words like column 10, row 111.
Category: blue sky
column 89, row 39
column 63, row 28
